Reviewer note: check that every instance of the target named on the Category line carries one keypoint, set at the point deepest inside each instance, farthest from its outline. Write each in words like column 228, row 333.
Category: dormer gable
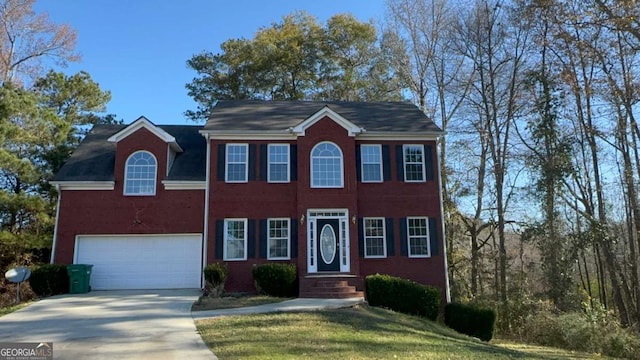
column 144, row 123
column 351, row 128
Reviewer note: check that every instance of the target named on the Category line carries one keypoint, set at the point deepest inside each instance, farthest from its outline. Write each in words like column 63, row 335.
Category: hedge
column 275, row 279
column 47, row 280
column 470, row 320
column 403, row 295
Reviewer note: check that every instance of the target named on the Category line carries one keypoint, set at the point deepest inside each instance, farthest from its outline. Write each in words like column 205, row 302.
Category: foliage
column 594, row 329
column 275, row 279
column 470, row 320
column 8, row 293
column 403, row 295
column 216, row 273
column 295, row 59
column 39, row 128
column 50, row 279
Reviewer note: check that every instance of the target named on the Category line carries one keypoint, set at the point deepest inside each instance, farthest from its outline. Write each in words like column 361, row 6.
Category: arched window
column 326, row 166
column 140, row 174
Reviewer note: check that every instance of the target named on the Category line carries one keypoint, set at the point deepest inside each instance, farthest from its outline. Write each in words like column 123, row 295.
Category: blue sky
column 138, row 49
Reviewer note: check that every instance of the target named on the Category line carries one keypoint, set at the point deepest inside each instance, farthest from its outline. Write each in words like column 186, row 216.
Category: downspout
column 55, row 227
column 444, row 233
column 205, row 232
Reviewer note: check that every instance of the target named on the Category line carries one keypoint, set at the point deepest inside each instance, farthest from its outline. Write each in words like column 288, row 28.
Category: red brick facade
column 101, row 212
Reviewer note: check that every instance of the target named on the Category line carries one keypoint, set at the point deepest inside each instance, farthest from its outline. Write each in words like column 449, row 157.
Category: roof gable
column 351, row 128
column 144, row 123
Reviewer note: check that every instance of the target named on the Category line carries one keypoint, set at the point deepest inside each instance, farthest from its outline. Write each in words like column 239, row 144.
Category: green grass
column 228, row 302
column 10, row 309
column 357, row 333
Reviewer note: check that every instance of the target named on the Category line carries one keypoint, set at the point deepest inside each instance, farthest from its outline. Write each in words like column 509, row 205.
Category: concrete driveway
column 146, row 324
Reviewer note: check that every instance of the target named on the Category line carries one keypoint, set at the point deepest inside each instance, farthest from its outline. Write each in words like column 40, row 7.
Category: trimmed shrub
column 403, row 295
column 470, row 320
column 215, row 275
column 47, row 280
column 275, row 279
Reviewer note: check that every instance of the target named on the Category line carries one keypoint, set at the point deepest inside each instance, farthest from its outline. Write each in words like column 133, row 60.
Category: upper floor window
column 236, row 162
column 374, row 238
column 278, row 165
column 326, row 166
column 418, row 237
column 413, row 163
column 371, row 163
column 140, row 174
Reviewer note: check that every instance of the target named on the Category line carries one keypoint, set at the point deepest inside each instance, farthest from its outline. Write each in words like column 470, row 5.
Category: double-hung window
column 279, row 239
column 140, row 174
column 235, row 239
column 414, row 170
column 418, row 237
column 374, row 238
column 326, row 166
column 237, row 163
column 278, row 165
column 371, row 163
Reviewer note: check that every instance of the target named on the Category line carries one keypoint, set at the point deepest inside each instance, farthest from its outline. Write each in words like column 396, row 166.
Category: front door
column 328, row 250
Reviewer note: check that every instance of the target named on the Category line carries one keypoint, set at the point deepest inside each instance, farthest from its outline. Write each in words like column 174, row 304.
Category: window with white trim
column 414, row 168
column 374, row 238
column 326, row 166
column 140, row 174
column 235, row 239
column 237, row 163
column 278, row 231
column 278, row 164
column 418, row 237
column 371, row 163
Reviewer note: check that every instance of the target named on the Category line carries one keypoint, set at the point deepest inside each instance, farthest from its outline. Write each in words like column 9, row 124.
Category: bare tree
column 27, row 39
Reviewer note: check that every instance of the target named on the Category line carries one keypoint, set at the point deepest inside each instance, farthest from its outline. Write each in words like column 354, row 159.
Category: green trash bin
column 79, row 277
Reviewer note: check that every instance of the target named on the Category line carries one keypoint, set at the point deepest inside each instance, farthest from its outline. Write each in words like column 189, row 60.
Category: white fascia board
column 400, row 136
column 143, row 122
column 247, row 135
column 183, row 185
column 351, row 128
column 84, row 185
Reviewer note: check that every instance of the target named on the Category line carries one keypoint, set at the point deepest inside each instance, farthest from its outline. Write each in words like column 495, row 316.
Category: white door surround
column 344, row 250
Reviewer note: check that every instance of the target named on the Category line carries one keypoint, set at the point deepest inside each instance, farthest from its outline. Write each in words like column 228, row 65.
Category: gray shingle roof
column 94, row 159
column 279, row 116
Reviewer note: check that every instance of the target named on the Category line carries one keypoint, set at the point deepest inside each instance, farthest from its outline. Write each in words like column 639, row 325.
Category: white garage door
column 141, row 261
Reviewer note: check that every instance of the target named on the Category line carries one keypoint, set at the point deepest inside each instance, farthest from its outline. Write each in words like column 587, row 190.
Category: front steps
column 331, row 287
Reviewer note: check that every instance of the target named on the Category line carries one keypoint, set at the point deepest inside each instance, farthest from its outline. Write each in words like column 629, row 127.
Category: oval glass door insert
column 327, row 244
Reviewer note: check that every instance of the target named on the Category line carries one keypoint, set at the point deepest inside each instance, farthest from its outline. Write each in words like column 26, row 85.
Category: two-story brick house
column 341, row 189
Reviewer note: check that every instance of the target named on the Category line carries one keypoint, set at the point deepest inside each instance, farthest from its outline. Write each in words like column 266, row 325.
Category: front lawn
column 9, row 309
column 355, row 333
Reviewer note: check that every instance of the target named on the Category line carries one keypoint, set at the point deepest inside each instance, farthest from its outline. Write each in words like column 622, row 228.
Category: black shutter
column 263, row 162
column 252, row 162
column 293, row 159
column 294, row 238
column 251, row 239
column 428, row 163
column 403, row 237
column 433, row 236
column 219, row 239
column 358, row 164
column 263, row 244
column 361, row 237
column 221, row 161
column 400, row 162
column 390, row 236
column 386, row 163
